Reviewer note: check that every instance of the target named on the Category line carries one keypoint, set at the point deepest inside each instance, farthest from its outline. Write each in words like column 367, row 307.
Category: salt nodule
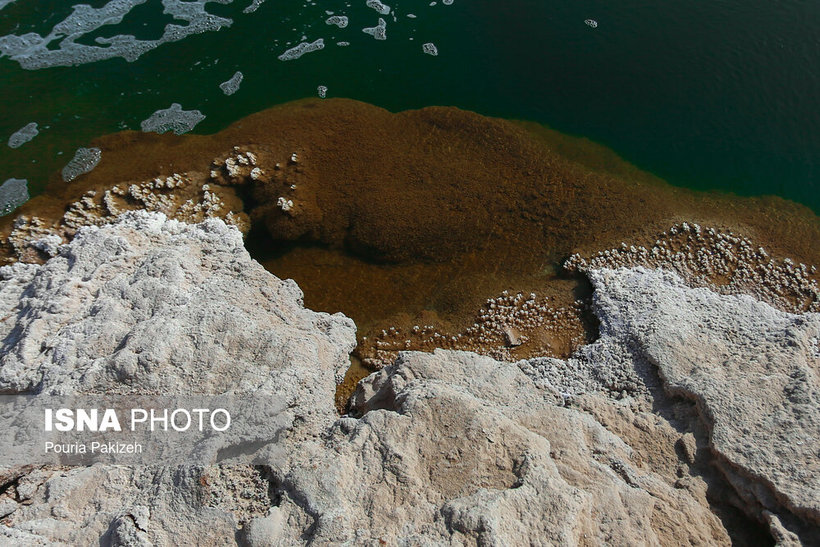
column 84, row 161
column 322, row 90
column 378, row 6
column 172, row 119
column 338, row 20
column 13, row 193
column 299, row 50
column 592, row 23
column 23, row 135
column 231, row 86
column 60, row 46
column 379, row 32
column 430, row 49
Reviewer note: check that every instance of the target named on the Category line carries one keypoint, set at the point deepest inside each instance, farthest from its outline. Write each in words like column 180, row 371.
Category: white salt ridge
column 84, row 161
column 13, row 193
column 172, row 119
column 231, row 86
column 430, row 49
column 322, row 91
column 253, row 6
column 378, row 6
column 338, row 20
column 23, row 135
column 4, row 3
column 299, row 50
column 379, row 32
column 32, row 50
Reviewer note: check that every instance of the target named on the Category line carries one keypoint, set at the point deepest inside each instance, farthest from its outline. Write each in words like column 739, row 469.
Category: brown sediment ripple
column 423, row 218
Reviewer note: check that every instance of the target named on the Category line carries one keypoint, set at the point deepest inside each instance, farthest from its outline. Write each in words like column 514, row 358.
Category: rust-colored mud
column 418, row 218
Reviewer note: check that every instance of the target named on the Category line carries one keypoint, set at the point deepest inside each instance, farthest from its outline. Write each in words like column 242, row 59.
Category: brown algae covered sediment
column 415, row 223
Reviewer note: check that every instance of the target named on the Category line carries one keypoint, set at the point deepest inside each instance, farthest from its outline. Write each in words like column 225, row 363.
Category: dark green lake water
column 713, row 95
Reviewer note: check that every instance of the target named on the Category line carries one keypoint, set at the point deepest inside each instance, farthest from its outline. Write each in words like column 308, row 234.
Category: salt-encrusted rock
column 154, row 306
column 753, row 371
column 443, row 448
column 158, row 306
column 454, row 448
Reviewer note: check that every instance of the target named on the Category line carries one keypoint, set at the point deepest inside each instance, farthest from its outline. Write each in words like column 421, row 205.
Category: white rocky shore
column 693, row 416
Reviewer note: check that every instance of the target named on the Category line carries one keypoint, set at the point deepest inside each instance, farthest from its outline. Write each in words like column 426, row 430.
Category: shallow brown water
column 417, row 218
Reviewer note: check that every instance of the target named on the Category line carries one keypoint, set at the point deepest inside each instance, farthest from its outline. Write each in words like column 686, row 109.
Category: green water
column 711, row 95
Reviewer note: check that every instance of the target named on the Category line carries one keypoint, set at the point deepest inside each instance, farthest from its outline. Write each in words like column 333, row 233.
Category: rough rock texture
column 753, row 371
column 455, row 448
column 616, row 445
column 149, row 305
column 158, row 306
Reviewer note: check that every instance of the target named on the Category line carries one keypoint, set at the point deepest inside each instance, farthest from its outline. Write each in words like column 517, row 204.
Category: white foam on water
column 379, row 32
column 411, row 15
column 430, row 49
column 447, row 2
column 301, row 49
column 253, row 6
column 23, row 135
column 231, row 86
column 32, row 50
column 342, row 44
column 592, row 23
column 378, row 6
column 84, row 161
column 172, row 119
column 13, row 193
column 338, row 20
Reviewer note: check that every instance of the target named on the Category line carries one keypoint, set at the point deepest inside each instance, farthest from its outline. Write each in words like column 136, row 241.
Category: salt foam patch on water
column 13, row 193
column 253, row 6
column 338, row 20
column 23, row 135
column 32, row 50
column 172, row 119
column 84, row 161
column 231, row 86
column 299, row 50
column 379, row 32
column 378, row 6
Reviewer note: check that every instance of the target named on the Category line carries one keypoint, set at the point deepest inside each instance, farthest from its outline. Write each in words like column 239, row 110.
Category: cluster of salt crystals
column 430, row 49
column 84, row 161
column 32, row 50
column 172, row 119
column 23, row 135
column 338, row 20
column 322, row 90
column 379, row 32
column 378, row 6
column 301, row 49
column 231, row 86
column 13, row 193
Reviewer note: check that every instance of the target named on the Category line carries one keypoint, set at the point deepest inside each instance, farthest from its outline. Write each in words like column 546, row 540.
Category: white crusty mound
column 157, row 306
column 617, row 445
column 753, row 371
